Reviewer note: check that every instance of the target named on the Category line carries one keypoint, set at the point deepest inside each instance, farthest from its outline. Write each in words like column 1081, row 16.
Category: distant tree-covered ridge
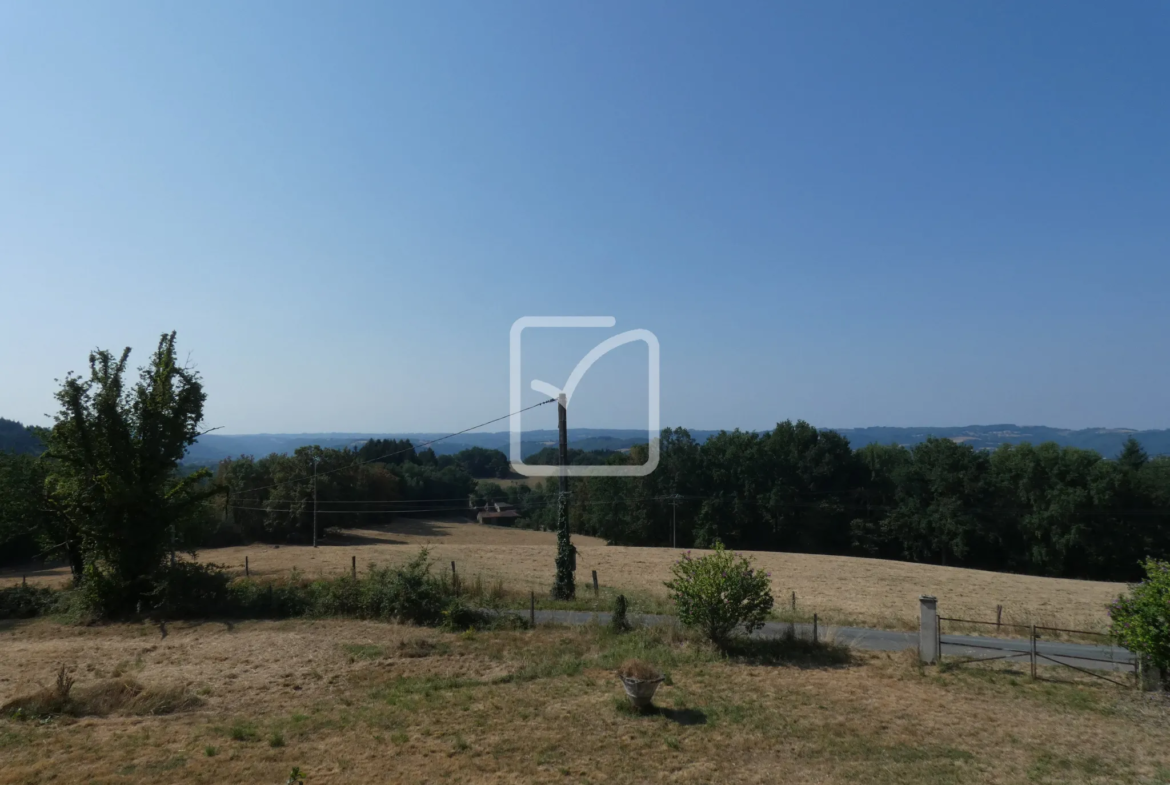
column 17, row 438
column 1107, row 441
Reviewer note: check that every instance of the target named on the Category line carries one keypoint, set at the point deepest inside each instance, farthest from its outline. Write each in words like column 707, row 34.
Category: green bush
column 249, row 599
column 719, row 593
column 101, row 596
column 407, row 594
column 1141, row 619
column 25, row 602
column 187, row 590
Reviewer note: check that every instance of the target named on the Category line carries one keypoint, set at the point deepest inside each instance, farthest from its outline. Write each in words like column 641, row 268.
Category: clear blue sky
column 853, row 213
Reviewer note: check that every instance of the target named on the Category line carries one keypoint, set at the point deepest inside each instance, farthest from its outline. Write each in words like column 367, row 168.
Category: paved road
column 1105, row 658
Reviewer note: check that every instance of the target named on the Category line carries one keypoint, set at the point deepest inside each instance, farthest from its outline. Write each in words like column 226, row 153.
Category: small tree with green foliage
column 113, row 455
column 719, row 593
column 1141, row 619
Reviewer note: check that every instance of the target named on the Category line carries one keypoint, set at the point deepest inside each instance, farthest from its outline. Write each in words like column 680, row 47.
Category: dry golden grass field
column 366, row 702
column 843, row 590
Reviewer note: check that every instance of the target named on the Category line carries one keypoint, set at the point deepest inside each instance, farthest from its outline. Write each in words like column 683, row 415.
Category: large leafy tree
column 26, row 520
column 1043, row 494
column 882, row 469
column 113, row 478
column 942, row 512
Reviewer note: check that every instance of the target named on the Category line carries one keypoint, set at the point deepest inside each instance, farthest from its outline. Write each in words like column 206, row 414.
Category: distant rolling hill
column 17, row 438
column 1107, row 441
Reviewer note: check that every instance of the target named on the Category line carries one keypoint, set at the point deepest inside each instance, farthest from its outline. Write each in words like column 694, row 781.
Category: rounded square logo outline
column 515, row 396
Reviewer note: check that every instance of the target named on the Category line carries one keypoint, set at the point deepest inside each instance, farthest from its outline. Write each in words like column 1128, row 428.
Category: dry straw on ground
column 354, row 701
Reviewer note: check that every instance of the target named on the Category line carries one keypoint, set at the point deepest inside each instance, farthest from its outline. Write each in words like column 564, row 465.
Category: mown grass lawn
column 349, row 701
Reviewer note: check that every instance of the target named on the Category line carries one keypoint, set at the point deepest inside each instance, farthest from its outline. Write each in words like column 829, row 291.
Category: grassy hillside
column 841, row 589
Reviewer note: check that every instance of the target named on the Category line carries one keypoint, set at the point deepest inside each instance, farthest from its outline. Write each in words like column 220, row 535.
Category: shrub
column 25, row 602
column 458, row 616
column 407, row 594
column 252, row 600
column 619, row 622
column 720, row 592
column 189, row 590
column 1141, row 619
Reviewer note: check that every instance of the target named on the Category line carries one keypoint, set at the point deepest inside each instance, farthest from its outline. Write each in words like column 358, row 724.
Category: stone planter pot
column 640, row 691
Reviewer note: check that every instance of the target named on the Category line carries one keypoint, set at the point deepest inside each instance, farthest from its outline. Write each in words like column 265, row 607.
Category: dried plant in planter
column 638, row 670
column 640, row 681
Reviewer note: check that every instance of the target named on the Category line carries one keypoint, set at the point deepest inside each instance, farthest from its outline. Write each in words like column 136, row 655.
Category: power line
column 365, row 501
column 412, row 448
column 522, row 507
column 354, row 512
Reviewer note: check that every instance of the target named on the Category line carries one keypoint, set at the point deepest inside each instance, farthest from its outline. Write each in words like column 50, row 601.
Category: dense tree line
column 1039, row 509
column 550, row 456
column 271, row 499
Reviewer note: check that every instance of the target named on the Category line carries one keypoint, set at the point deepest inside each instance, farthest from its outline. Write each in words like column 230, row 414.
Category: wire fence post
column 596, row 590
column 247, row 570
column 1033, row 651
column 353, row 566
column 814, row 628
column 532, row 609
column 998, row 616
column 938, row 637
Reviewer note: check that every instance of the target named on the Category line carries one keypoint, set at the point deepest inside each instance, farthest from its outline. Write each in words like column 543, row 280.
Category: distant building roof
column 497, row 517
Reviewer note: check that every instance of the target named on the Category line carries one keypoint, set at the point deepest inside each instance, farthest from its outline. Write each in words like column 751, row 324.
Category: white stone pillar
column 928, row 645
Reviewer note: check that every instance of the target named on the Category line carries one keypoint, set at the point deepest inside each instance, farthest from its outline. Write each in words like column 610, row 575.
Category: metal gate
column 1006, row 651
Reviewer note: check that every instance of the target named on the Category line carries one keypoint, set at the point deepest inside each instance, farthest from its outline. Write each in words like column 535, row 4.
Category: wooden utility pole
column 563, row 448
column 314, row 497
column 564, row 588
